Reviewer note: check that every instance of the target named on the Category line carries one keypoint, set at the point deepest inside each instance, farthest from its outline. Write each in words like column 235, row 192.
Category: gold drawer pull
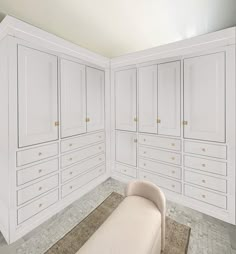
column 144, row 140
column 56, row 123
column 204, row 181
column 204, row 165
column 203, row 196
column 135, row 140
column 70, row 145
column 144, row 152
column 40, row 188
column 71, row 173
column 172, row 158
column 100, row 136
column 100, row 159
column 39, row 153
column 173, row 186
column 173, row 172
column 185, row 122
column 158, row 120
column 172, row 144
column 40, row 205
column 40, row 171
column 99, row 147
column 135, row 119
column 70, row 159
column 144, row 164
column 71, row 187
column 203, row 149
column 87, row 119
column 144, row 176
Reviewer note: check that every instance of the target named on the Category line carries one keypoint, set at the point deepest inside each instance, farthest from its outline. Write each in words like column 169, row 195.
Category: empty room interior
column 118, row 127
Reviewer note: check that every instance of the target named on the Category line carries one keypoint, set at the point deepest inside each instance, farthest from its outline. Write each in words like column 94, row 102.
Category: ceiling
column 117, row 27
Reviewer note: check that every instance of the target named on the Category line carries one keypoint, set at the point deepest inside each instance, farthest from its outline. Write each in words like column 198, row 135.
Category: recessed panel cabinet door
column 37, row 96
column 147, row 99
column 125, row 99
column 204, row 97
column 95, row 99
column 169, row 98
column 126, row 148
column 73, row 98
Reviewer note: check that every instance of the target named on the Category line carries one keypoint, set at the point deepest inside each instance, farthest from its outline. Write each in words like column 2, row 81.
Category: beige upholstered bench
column 137, row 226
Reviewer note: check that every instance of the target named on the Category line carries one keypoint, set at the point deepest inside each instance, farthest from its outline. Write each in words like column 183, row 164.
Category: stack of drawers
column 159, row 160
column 40, row 183
column 37, row 179
column 205, row 172
column 82, row 161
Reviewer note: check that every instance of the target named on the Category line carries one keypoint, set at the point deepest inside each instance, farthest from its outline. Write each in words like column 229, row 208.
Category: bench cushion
column 134, row 227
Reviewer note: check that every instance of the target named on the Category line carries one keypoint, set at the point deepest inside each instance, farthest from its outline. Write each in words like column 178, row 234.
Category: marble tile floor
column 208, row 235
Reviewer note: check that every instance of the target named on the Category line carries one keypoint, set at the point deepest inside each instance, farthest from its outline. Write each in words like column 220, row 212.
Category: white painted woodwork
column 169, row 98
column 205, row 196
column 126, row 148
column 95, row 99
column 73, row 98
column 37, row 96
column 204, row 97
column 147, row 99
column 125, row 100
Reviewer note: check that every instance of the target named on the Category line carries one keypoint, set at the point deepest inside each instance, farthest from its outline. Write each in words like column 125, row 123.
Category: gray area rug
column 177, row 235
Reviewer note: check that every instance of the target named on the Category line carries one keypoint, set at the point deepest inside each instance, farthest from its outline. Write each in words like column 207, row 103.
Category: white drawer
column 205, row 149
column 35, row 154
column 160, row 155
column 125, row 170
column 160, row 168
column 82, row 167
column 37, row 206
column 36, row 189
column 167, row 143
column 205, row 196
column 82, row 180
column 206, row 165
column 71, row 158
column 79, row 142
column 161, row 181
column 206, row 181
column 29, row 174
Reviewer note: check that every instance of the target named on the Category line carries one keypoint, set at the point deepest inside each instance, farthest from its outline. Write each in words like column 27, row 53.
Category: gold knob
column 144, row 164
column 71, row 173
column 99, row 147
column 204, row 181
column 144, row 176
column 158, row 120
column 172, row 158
column 144, row 140
column 71, row 187
column 203, row 149
column 40, row 205
column 204, row 196
column 185, row 122
column 40, row 188
column 135, row 140
column 40, row 171
column 100, row 159
column 203, row 165
column 70, row 159
column 56, row 123
column 173, row 172
column 173, row 186
column 125, row 170
column 87, row 119
column 40, row 154
column 172, row 144
column 144, row 152
column 135, row 119
column 70, row 144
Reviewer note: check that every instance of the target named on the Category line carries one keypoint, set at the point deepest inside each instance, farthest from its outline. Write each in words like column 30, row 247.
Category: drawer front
column 160, row 168
column 167, row 143
column 36, row 189
column 29, row 174
column 161, row 181
column 36, row 154
column 82, row 167
column 205, row 196
column 132, row 172
column 205, row 149
column 160, row 155
column 206, row 165
column 37, row 206
column 79, row 142
column 206, row 181
column 82, row 180
column 82, row 154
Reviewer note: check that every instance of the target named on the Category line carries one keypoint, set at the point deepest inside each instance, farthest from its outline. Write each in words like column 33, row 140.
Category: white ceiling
column 116, row 27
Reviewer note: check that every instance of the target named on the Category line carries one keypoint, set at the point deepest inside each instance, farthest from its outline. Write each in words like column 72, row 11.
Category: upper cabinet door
column 169, row 98
column 37, row 97
column 125, row 100
column 73, row 98
column 95, row 99
column 204, row 97
column 147, row 99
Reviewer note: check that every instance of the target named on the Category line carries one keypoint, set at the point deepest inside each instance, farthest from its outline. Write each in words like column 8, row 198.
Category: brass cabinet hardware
column 39, row 153
column 203, row 149
column 203, row 165
column 87, row 119
column 40, row 171
column 172, row 144
column 135, row 140
column 204, row 196
column 204, row 181
column 158, row 120
column 40, row 188
column 185, row 122
column 56, row 123
column 135, row 119
column 40, row 205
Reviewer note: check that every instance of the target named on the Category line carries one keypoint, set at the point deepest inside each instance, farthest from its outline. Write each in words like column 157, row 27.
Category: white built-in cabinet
column 82, row 98
column 204, row 97
column 37, row 96
column 126, row 100
column 73, row 98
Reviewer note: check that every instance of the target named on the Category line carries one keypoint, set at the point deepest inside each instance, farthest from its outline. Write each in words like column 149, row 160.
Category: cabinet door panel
column 73, row 98
column 169, row 98
column 204, row 97
column 147, row 99
column 37, row 96
column 95, row 99
column 125, row 97
column 126, row 148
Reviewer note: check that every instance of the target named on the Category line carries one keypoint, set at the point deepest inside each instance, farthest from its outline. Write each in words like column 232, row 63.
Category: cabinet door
column 73, row 98
column 169, row 98
column 125, row 98
column 126, row 148
column 147, row 99
column 204, row 97
column 37, row 96
column 95, row 99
